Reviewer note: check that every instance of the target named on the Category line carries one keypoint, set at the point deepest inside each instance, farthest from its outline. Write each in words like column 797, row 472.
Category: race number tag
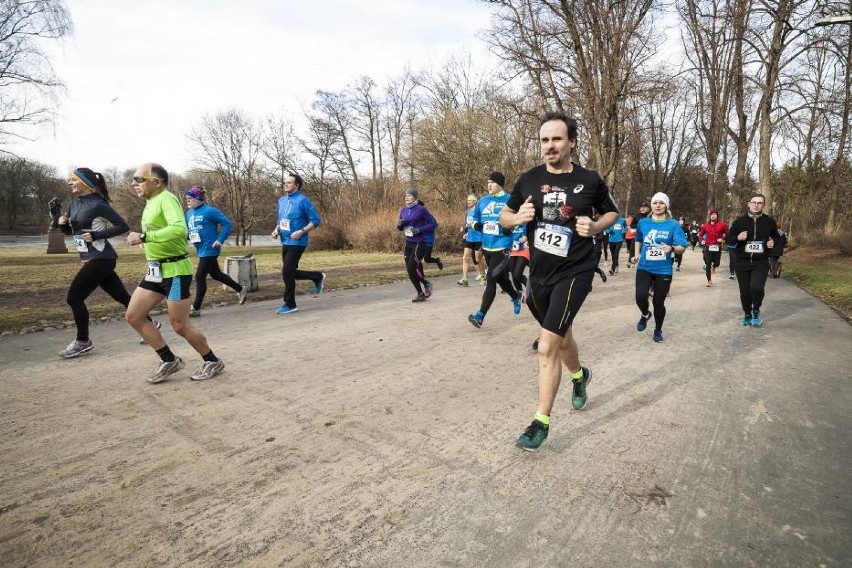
column 154, row 274
column 491, row 228
column 194, row 237
column 713, row 248
column 754, row 247
column 284, row 225
column 80, row 243
column 408, row 231
column 518, row 245
column 654, row 253
column 553, row 239
column 616, row 227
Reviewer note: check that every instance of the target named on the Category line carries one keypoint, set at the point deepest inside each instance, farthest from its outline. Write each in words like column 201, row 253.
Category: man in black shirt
column 557, row 201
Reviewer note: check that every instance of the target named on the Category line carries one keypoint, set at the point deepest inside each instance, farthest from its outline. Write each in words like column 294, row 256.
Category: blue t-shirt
column 487, row 212
column 202, row 224
column 652, row 234
column 472, row 235
column 616, row 230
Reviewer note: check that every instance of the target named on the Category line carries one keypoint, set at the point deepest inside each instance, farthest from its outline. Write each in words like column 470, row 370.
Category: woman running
column 415, row 221
column 616, row 238
column 472, row 245
column 91, row 220
column 658, row 237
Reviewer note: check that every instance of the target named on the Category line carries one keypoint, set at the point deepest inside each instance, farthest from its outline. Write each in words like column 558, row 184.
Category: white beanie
column 660, row 196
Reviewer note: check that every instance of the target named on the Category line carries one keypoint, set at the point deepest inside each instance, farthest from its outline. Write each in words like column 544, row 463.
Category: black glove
column 508, row 232
column 400, row 225
column 477, row 226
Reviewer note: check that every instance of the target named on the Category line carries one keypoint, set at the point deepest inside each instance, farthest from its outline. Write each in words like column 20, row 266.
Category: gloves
column 508, row 232
column 477, row 226
column 400, row 225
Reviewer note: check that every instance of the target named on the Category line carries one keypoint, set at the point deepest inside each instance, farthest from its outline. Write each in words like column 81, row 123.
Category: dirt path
column 365, row 430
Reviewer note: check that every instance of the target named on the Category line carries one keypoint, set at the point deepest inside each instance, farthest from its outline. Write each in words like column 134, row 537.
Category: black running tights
column 661, row 285
column 209, row 265
column 498, row 273
column 94, row 273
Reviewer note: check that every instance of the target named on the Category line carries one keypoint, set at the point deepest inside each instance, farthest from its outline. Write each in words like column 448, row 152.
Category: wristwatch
column 142, row 237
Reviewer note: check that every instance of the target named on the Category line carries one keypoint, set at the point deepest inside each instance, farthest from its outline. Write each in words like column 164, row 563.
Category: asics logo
column 578, row 189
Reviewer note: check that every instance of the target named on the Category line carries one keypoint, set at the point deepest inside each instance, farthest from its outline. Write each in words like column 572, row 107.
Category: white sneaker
column 76, row 348
column 241, row 296
column 208, row 370
column 166, row 369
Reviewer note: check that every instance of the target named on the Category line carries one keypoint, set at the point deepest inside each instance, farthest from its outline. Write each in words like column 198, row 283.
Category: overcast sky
column 141, row 74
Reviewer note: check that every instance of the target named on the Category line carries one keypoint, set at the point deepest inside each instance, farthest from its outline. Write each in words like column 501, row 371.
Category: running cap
column 660, row 196
column 497, row 178
column 713, row 212
column 196, row 192
column 412, row 191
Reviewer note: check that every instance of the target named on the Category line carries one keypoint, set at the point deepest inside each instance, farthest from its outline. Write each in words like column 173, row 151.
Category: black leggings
column 614, row 250
column 414, row 253
column 661, row 284
column 751, row 277
column 498, row 273
column 93, row 274
column 517, row 265
column 209, row 265
column 290, row 255
column 711, row 258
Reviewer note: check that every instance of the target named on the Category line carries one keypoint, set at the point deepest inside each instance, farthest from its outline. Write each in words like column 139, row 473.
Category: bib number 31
column 154, row 274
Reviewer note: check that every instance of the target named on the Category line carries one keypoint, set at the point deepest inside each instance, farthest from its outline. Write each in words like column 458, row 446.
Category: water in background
column 40, row 242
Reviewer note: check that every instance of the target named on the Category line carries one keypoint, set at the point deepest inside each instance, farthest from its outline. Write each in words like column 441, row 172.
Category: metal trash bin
column 243, row 269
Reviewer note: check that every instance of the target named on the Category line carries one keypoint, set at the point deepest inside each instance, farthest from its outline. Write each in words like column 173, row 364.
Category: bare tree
column 229, row 145
column 334, row 111
column 401, row 108
column 28, row 85
column 280, row 146
column 367, row 112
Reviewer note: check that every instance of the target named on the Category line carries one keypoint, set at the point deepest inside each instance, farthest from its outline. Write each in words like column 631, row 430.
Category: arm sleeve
column 731, row 238
column 313, row 215
column 429, row 224
column 223, row 220
column 175, row 223
column 119, row 225
column 604, row 201
column 679, row 237
column 516, row 198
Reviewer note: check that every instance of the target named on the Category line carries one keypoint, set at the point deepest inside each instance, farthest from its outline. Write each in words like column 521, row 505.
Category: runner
column 430, row 246
column 776, row 252
column 615, row 236
column 753, row 235
column 712, row 234
column 678, row 258
column 203, row 224
column 693, row 234
column 496, row 245
column 472, row 245
column 629, row 239
column 296, row 218
column 658, row 237
column 519, row 259
column 91, row 220
column 556, row 200
column 415, row 221
column 169, row 275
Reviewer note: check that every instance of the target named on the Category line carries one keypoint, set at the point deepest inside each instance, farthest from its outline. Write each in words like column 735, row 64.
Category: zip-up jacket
column 94, row 212
column 760, row 229
column 713, row 230
column 415, row 222
column 294, row 213
column 203, row 224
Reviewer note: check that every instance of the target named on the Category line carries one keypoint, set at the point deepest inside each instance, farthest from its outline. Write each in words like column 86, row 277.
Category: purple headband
column 196, row 192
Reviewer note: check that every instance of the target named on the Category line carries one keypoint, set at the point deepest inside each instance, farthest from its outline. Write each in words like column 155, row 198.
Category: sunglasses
column 142, row 179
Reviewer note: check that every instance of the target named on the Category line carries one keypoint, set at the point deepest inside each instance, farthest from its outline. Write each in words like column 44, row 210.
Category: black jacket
column 759, row 230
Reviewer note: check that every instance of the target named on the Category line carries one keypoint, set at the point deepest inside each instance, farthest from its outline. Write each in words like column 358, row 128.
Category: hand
column 400, row 225
column 770, row 243
column 742, row 236
column 526, row 213
column 274, row 233
column 415, row 231
column 133, row 238
column 666, row 248
column 720, row 241
column 217, row 245
column 300, row 232
column 87, row 235
column 585, row 226
column 64, row 219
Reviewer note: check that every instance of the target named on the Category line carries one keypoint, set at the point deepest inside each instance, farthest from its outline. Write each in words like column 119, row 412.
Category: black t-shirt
column 556, row 250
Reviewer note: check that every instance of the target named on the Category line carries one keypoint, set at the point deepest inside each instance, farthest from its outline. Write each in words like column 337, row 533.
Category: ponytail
column 102, row 186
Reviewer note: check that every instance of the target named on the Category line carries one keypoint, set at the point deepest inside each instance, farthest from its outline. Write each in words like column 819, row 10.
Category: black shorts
column 559, row 303
column 472, row 246
column 174, row 289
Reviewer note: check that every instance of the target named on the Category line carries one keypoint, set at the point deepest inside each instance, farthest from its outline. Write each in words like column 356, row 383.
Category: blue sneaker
column 318, row 288
column 756, row 320
column 285, row 309
column 516, row 305
column 476, row 319
column 746, row 321
column 658, row 336
column 533, row 437
column 643, row 322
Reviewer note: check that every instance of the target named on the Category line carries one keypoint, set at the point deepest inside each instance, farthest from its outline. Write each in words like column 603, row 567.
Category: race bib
column 491, row 228
column 153, row 274
column 754, row 247
column 284, row 225
column 194, row 237
column 616, row 227
column 517, row 245
column 80, row 244
column 654, row 253
column 408, row 231
column 553, row 239
column 713, row 248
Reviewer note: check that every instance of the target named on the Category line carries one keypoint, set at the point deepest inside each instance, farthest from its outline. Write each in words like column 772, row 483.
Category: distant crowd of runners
column 541, row 244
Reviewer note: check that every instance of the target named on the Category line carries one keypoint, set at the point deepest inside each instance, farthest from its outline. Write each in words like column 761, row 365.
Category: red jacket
column 713, row 230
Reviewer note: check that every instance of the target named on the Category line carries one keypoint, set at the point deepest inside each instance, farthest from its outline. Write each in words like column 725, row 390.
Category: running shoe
column 712, row 270
column 156, row 324
column 658, row 336
column 427, row 288
column 208, row 370
column 462, row 282
column 516, row 305
column 419, row 298
column 732, row 276
column 611, row 273
column 241, row 296
column 643, row 322
column 756, row 319
column 76, row 348
column 166, row 369
column 746, row 321
column 476, row 319
column 318, row 288
column 193, row 313
column 439, row 263
column 533, row 437
column 285, row 309
column 709, row 284
column 578, row 396
column 480, row 277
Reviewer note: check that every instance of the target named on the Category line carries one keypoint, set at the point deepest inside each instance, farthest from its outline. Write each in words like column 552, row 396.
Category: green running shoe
column 578, row 397
column 533, row 437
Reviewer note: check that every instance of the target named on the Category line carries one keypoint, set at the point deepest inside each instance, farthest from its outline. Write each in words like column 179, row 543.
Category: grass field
column 827, row 276
column 33, row 285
